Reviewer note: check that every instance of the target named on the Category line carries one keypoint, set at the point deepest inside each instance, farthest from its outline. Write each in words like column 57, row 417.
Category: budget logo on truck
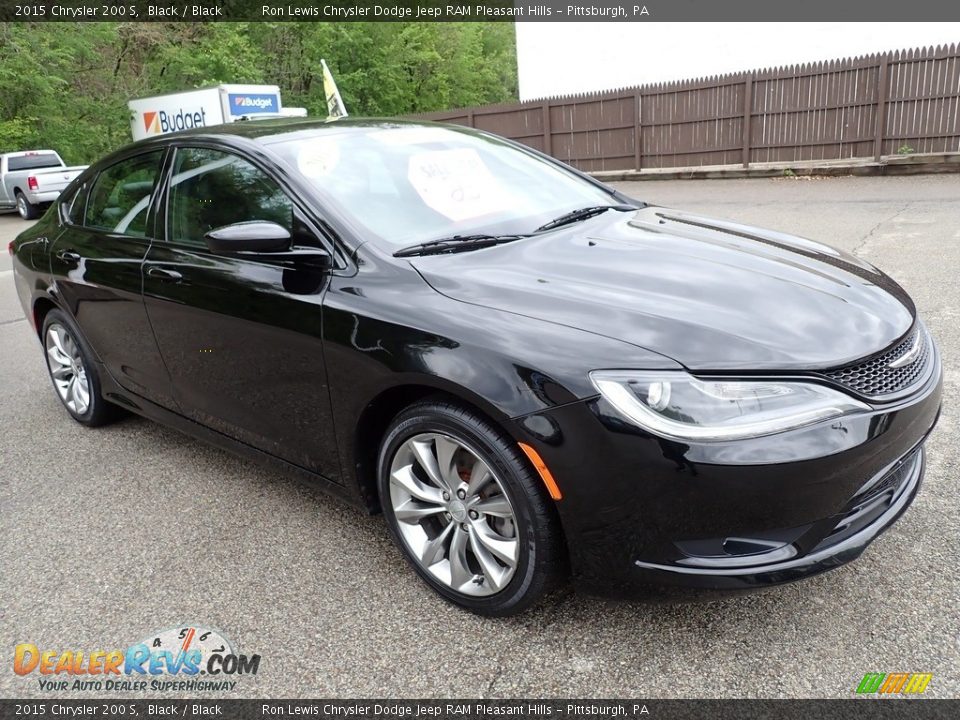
column 151, row 122
column 156, row 122
column 249, row 103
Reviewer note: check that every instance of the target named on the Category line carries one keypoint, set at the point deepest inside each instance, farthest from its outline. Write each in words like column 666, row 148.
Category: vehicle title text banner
column 108, row 709
column 492, row 10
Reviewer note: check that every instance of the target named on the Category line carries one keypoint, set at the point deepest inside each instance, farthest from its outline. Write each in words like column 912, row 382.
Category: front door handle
column 69, row 256
column 160, row 273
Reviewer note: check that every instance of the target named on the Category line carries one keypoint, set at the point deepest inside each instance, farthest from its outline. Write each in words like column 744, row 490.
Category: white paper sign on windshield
column 318, row 157
column 456, row 183
column 414, row 135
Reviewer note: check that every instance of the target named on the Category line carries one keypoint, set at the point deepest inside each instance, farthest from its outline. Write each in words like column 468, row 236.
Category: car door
column 241, row 337
column 96, row 266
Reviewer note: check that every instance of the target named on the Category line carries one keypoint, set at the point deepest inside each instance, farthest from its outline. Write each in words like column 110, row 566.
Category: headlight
column 679, row 406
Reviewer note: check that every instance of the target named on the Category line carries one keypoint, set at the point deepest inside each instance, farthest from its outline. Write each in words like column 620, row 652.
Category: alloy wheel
column 22, row 207
column 453, row 514
column 67, row 369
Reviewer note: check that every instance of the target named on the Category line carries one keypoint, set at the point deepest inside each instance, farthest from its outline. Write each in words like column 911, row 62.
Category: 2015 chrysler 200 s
column 527, row 371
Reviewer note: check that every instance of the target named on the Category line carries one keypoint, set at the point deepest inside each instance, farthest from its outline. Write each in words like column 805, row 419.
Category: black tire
column 540, row 563
column 98, row 411
column 26, row 209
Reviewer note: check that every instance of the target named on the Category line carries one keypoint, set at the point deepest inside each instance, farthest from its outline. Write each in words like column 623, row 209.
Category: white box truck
column 202, row 107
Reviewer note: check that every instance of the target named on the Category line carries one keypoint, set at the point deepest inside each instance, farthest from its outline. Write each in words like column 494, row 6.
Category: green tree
column 67, row 87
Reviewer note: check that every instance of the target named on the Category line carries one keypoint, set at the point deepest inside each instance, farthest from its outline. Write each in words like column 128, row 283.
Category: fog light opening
column 748, row 546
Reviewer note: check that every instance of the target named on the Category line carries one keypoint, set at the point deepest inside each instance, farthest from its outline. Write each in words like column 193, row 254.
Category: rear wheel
column 467, row 511
column 26, row 209
column 73, row 372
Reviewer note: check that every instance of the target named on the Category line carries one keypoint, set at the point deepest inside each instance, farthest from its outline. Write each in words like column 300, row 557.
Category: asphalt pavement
column 111, row 534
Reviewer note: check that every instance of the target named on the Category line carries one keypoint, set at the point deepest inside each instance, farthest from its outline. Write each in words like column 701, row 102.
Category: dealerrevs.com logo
column 183, row 659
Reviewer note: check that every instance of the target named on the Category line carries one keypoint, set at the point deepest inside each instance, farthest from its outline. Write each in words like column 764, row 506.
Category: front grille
column 875, row 378
column 873, row 500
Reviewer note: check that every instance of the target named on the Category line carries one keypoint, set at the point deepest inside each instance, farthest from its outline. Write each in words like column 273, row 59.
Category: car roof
column 267, row 132
column 274, row 129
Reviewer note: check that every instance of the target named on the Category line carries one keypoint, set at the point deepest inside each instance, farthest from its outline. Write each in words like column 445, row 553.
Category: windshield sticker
column 318, row 157
column 455, row 183
column 413, row 136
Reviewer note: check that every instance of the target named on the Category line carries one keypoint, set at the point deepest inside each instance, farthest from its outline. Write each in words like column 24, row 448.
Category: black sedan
column 529, row 373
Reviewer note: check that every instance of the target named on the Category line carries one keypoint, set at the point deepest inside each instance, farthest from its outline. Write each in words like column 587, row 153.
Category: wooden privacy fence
column 870, row 106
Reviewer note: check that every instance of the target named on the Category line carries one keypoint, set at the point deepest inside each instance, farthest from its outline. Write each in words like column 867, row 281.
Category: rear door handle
column 69, row 256
column 160, row 273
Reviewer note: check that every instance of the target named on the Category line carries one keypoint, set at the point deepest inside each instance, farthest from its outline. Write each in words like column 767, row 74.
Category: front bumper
column 648, row 516
column 839, row 547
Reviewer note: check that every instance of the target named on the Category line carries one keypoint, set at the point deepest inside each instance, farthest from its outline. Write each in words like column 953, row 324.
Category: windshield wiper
column 583, row 214
column 456, row 244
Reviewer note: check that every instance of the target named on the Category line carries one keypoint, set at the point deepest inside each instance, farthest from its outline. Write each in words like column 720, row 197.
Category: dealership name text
column 423, row 12
column 457, row 709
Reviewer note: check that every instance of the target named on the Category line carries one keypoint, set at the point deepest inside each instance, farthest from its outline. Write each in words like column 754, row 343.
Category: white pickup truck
column 31, row 180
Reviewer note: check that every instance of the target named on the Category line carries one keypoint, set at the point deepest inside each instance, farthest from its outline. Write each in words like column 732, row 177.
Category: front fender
column 387, row 328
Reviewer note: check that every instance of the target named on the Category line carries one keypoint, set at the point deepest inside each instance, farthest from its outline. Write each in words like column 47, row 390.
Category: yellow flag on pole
column 335, row 107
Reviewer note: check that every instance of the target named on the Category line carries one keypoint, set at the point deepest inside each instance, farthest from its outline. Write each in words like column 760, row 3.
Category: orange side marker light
column 544, row 471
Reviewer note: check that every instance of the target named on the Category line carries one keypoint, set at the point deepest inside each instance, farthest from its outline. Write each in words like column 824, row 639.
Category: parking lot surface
column 112, row 534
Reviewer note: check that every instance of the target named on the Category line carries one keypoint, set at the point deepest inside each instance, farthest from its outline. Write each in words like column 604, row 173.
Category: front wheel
column 467, row 511
column 26, row 209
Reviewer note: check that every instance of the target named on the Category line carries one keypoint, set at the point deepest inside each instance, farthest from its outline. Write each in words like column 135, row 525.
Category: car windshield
column 411, row 184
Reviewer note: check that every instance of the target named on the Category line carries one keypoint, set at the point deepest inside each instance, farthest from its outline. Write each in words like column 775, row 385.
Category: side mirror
column 256, row 236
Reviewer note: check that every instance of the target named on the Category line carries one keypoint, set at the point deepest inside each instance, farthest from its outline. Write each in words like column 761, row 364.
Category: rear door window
column 119, row 200
column 71, row 207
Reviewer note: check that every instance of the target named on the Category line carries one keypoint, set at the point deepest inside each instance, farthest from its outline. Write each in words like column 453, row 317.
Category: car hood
column 711, row 294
